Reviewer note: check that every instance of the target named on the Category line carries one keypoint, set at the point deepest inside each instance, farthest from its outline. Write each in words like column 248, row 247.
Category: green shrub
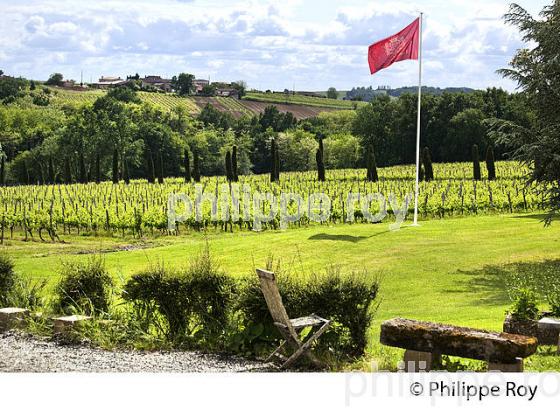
column 7, row 278
column 347, row 299
column 84, row 286
column 553, row 298
column 194, row 302
column 27, row 293
column 525, row 305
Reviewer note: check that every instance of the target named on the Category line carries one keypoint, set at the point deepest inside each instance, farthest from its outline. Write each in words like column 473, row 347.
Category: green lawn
column 433, row 272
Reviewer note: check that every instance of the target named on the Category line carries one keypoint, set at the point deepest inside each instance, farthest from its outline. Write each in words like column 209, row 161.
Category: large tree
column 183, row 83
column 536, row 69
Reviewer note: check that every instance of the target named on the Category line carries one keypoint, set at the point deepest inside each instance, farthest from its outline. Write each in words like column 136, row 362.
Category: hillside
column 301, row 107
column 289, row 99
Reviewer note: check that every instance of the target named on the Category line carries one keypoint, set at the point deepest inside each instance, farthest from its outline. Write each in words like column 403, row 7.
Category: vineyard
column 166, row 101
column 45, row 211
column 307, row 107
column 281, row 98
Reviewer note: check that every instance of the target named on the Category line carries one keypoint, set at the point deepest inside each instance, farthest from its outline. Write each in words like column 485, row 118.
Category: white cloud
column 313, row 43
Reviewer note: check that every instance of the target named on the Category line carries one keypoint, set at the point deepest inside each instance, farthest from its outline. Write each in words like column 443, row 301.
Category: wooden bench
column 425, row 342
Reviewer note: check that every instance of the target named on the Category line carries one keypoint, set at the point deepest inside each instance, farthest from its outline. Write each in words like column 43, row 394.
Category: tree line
column 120, row 138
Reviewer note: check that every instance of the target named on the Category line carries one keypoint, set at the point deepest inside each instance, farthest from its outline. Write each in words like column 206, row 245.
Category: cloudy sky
column 309, row 44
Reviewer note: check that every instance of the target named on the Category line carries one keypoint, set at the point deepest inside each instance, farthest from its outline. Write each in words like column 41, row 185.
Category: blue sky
column 309, row 44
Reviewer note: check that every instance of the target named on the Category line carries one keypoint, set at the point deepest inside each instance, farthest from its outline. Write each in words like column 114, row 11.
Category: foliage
column 525, row 305
column 427, row 163
column 123, row 94
column 296, row 150
column 332, row 93
column 341, row 151
column 11, row 88
column 535, row 69
column 490, row 163
column 27, row 293
column 194, row 301
column 7, row 278
column 542, row 281
column 476, row 163
column 84, row 286
column 347, row 299
column 184, row 83
column 55, row 79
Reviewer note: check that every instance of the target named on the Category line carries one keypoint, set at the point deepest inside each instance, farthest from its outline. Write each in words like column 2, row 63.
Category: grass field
column 282, row 98
column 445, row 271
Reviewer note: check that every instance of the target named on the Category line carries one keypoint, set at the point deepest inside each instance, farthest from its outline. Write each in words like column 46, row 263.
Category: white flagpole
column 418, row 124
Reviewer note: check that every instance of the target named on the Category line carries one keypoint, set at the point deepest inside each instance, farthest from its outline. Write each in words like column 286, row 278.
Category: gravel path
column 25, row 353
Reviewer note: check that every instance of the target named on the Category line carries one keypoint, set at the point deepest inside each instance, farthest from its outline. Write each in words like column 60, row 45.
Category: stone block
column 516, row 367
column 549, row 331
column 65, row 324
column 12, row 317
column 417, row 362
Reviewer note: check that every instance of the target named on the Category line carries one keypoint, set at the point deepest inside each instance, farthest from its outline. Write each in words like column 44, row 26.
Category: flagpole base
column 415, row 224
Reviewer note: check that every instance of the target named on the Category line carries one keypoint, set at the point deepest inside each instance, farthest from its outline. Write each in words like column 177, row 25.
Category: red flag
column 401, row 46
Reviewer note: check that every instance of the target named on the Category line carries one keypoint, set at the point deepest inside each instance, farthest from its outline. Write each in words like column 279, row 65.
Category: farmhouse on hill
column 156, row 81
column 107, row 82
column 199, row 85
column 227, row 92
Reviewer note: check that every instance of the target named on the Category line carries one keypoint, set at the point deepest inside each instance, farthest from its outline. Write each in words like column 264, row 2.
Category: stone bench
column 12, row 317
column 425, row 342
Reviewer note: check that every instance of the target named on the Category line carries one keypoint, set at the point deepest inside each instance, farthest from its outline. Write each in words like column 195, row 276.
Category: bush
column 194, row 302
column 348, row 300
column 7, row 278
column 26, row 293
column 525, row 305
column 553, row 299
column 84, row 286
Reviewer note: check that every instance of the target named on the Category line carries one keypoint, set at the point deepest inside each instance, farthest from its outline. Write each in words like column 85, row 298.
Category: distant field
column 238, row 108
column 311, row 108
column 281, row 98
column 166, row 101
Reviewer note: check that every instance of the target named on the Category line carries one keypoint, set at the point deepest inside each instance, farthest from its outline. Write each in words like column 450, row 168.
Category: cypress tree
column 126, row 176
column 320, row 163
column 421, row 173
column 476, row 163
column 490, row 163
column 2, row 168
column 273, row 171
column 115, row 166
column 160, row 168
column 427, row 162
column 151, row 170
column 234, row 163
column 82, row 166
column 371, row 165
column 187, row 164
column 51, row 171
column 277, row 163
column 67, row 171
column 196, row 168
column 229, row 169
column 25, row 173
column 97, row 168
